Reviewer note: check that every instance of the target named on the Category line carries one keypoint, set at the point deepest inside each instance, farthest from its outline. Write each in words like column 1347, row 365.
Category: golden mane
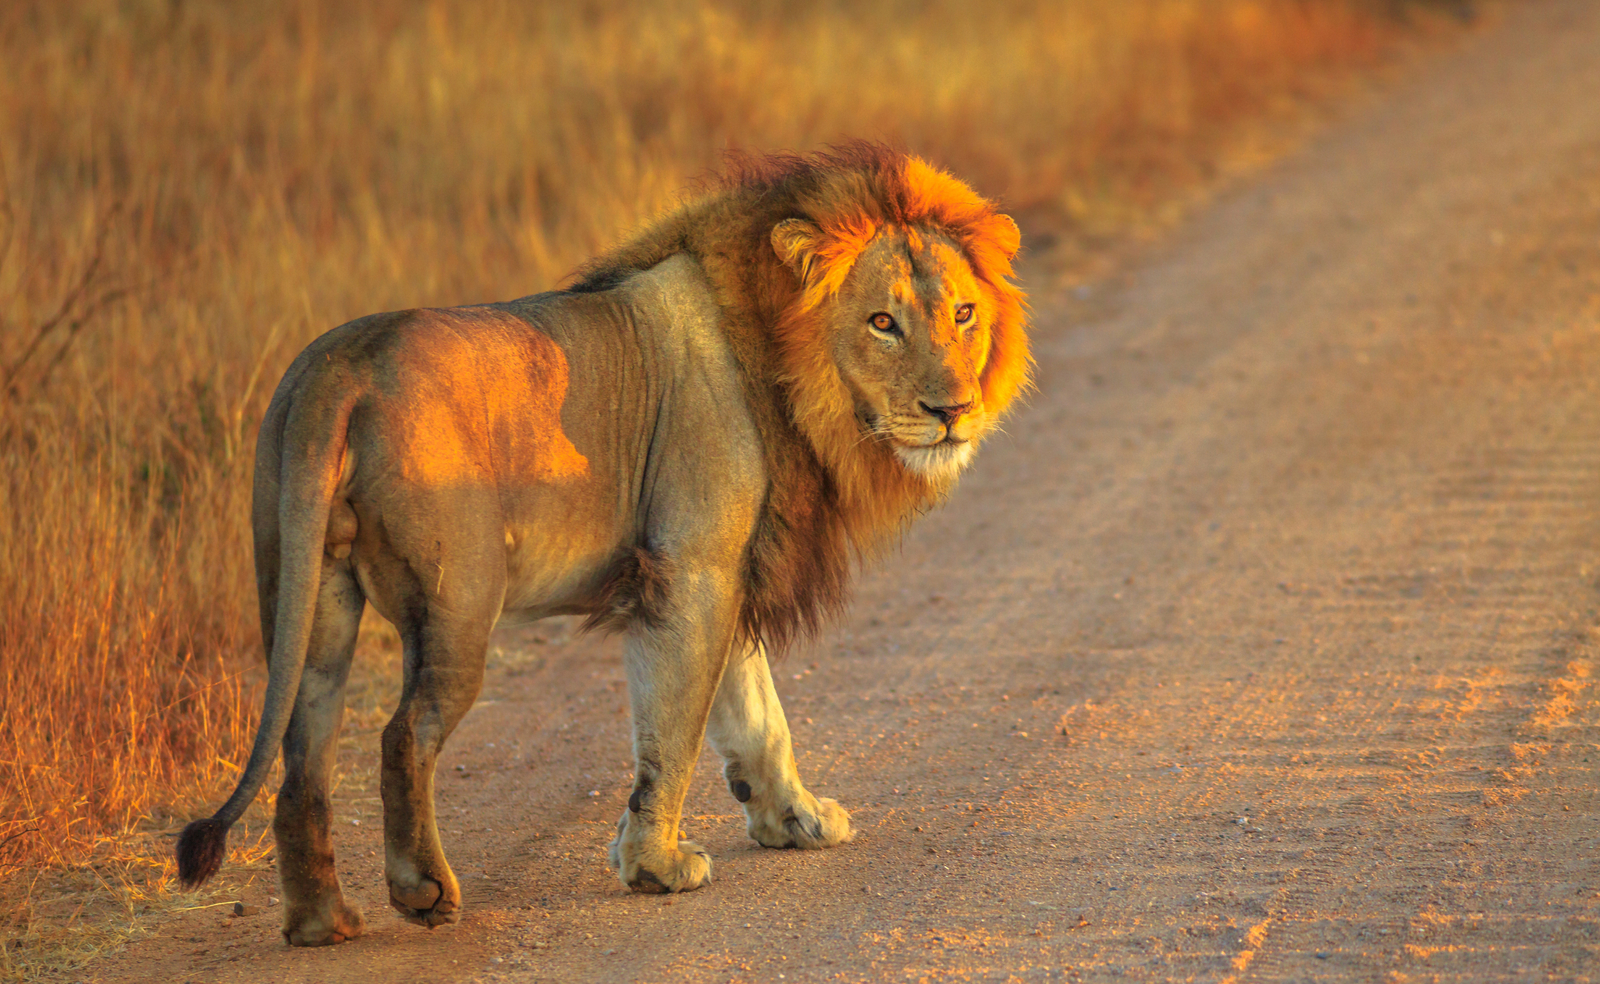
column 833, row 497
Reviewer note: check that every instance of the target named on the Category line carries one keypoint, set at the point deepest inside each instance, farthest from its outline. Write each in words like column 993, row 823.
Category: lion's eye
column 963, row 314
column 884, row 324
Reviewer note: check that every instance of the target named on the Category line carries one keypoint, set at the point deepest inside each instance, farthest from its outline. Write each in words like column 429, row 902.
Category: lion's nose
column 949, row 413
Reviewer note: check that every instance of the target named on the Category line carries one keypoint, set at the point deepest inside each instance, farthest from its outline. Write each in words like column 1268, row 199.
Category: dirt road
column 1260, row 648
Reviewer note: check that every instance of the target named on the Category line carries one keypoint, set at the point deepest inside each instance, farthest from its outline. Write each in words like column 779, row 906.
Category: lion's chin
column 940, row 462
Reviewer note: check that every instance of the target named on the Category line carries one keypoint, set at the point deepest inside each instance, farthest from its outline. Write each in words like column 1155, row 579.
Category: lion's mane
column 833, row 497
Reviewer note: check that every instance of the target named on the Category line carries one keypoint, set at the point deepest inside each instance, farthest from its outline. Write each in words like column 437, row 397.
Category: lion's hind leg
column 315, row 911
column 444, row 657
column 749, row 730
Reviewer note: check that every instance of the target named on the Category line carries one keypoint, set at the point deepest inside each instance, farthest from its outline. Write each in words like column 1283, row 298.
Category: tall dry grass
column 192, row 189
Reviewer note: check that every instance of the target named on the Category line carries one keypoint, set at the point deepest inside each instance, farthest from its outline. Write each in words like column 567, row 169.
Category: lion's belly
column 558, row 554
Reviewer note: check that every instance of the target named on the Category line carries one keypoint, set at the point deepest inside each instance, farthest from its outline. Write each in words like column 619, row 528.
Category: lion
column 692, row 444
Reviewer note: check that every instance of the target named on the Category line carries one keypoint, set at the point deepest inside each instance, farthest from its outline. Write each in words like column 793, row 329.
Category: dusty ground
column 1261, row 647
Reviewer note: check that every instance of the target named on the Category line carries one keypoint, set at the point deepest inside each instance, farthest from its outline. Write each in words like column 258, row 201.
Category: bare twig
column 208, row 905
column 89, row 310
column 27, row 830
column 76, row 294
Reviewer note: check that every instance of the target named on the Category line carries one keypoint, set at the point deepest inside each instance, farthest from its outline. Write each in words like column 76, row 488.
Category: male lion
column 688, row 444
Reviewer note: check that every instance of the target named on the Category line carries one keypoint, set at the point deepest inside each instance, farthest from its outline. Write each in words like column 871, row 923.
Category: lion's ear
column 1006, row 234
column 795, row 241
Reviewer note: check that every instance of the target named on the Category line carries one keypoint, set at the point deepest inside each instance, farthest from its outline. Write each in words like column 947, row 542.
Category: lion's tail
column 314, row 435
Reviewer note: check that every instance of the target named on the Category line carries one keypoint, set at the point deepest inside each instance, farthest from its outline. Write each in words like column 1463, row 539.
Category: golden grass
column 189, row 192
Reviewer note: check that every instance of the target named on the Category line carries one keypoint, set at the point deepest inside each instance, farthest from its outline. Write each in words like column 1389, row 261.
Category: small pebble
column 240, row 909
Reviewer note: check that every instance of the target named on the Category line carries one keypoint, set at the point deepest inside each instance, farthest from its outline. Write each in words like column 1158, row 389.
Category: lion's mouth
column 941, row 459
column 948, row 440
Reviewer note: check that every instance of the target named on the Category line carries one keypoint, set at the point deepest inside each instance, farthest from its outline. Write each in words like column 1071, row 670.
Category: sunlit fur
column 835, row 491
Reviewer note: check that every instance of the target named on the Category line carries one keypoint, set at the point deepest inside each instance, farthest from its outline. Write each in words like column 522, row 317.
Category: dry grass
column 193, row 190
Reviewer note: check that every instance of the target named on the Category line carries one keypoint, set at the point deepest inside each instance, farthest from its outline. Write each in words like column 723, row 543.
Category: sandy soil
column 1260, row 647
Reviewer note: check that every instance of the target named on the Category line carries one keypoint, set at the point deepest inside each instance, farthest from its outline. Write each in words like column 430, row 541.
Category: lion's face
column 906, row 333
column 910, row 333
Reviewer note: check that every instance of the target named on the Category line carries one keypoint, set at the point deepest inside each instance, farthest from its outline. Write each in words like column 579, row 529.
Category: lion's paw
column 681, row 869
column 325, row 925
column 807, row 823
column 645, row 866
column 425, row 901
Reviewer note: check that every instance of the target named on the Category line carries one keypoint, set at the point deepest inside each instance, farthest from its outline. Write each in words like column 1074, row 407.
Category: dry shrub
column 195, row 189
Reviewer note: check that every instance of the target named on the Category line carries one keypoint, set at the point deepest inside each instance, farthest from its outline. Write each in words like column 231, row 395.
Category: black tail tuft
column 201, row 848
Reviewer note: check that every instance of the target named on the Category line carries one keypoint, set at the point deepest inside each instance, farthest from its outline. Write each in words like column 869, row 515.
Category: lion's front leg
column 673, row 666
column 749, row 730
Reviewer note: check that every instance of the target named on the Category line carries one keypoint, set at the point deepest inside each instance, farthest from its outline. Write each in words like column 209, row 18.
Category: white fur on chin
column 940, row 462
